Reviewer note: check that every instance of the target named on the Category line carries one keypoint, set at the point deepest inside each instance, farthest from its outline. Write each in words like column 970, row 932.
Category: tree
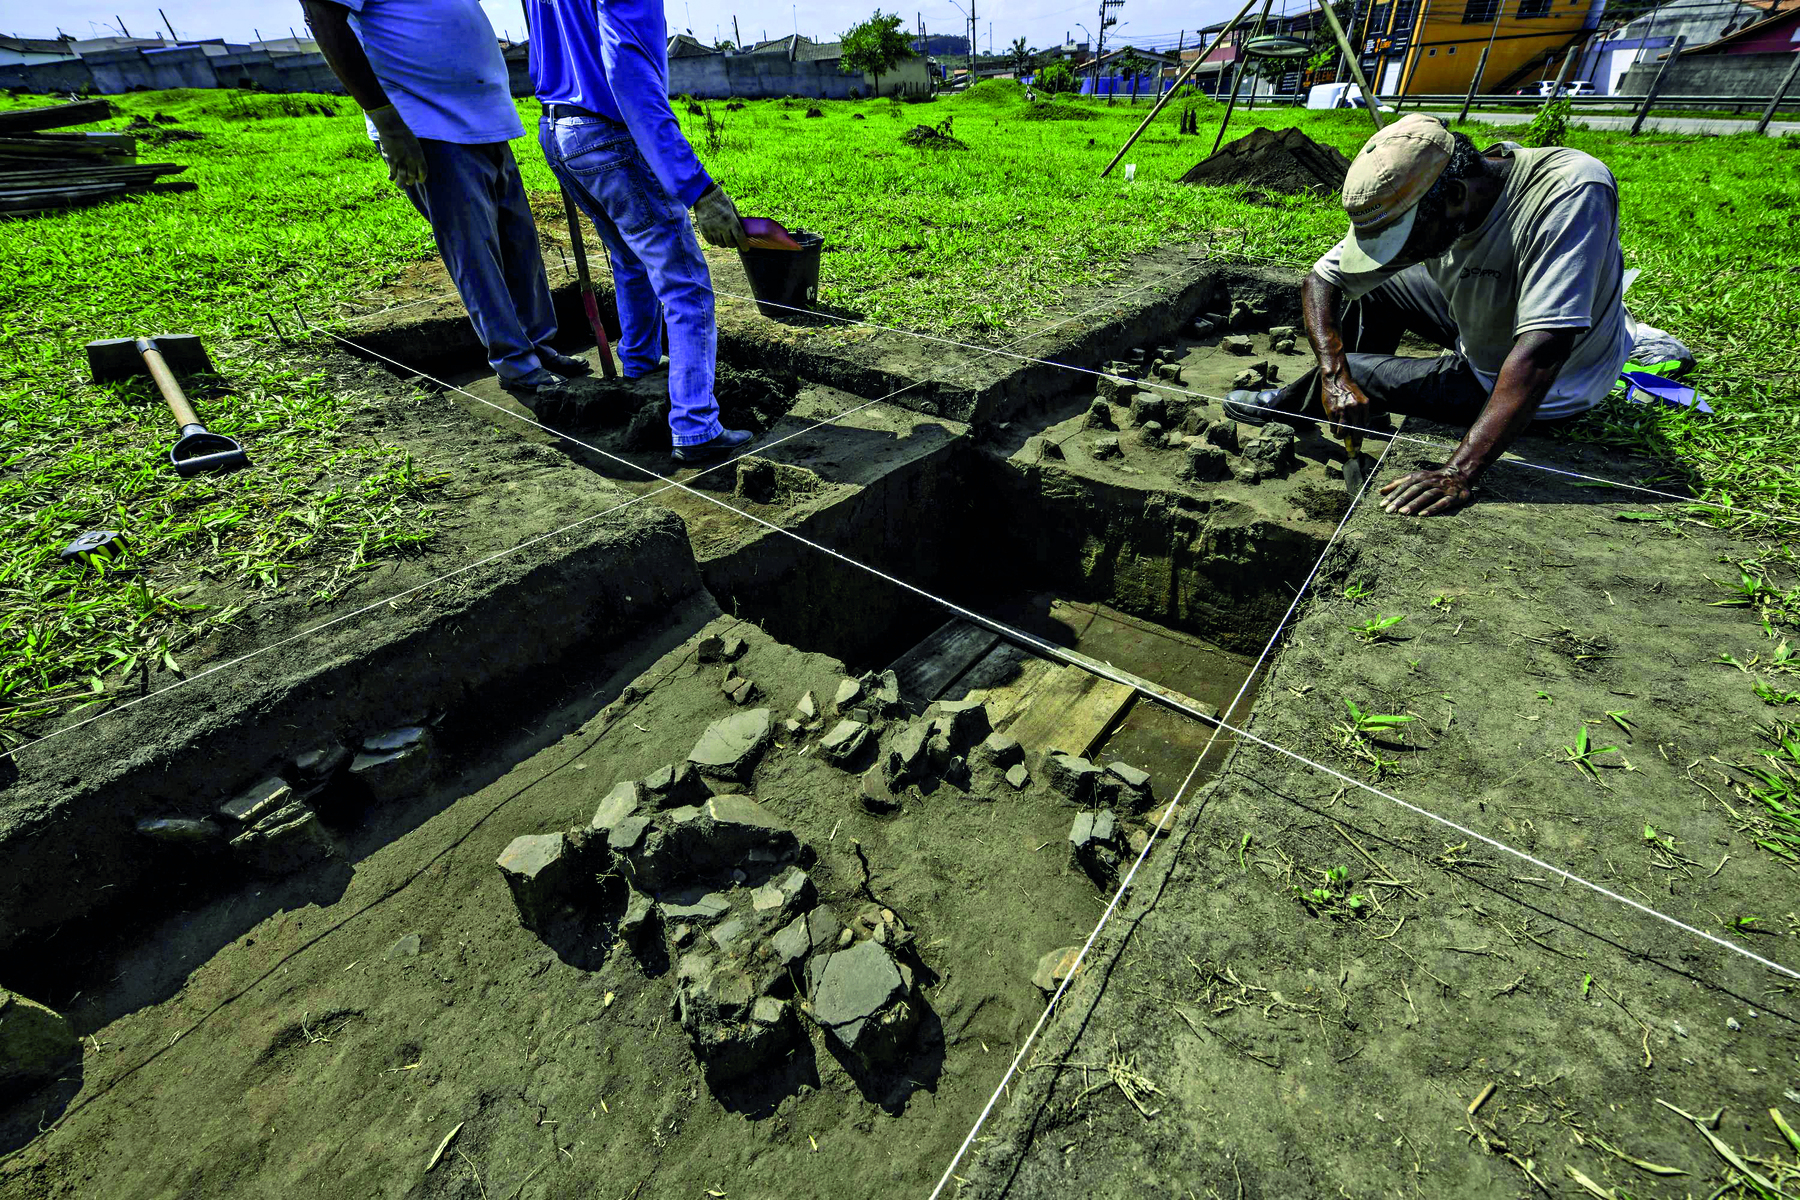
column 876, row 47
column 1020, row 58
column 1130, row 63
column 1056, row 77
column 725, row 45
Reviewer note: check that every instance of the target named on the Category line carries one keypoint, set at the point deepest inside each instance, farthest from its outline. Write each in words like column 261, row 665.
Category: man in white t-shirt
column 1510, row 260
column 432, row 82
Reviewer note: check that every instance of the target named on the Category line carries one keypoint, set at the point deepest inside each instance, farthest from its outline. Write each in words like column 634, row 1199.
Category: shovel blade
column 1356, row 473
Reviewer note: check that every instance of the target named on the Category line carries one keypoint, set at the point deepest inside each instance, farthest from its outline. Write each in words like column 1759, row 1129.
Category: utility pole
column 165, row 17
column 736, row 37
column 1100, row 40
column 121, row 24
column 1656, row 85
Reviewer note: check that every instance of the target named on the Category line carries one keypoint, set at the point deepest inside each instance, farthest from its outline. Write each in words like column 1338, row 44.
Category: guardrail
column 1624, row 104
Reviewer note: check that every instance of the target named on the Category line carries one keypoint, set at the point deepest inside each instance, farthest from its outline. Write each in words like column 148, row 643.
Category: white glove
column 405, row 157
column 718, row 219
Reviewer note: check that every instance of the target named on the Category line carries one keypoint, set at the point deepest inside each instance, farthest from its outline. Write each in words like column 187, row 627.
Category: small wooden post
column 1787, row 81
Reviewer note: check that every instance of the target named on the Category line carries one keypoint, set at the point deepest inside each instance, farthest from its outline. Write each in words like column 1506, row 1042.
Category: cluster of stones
column 273, row 826
column 952, row 744
column 738, row 688
column 716, row 882
column 1214, row 451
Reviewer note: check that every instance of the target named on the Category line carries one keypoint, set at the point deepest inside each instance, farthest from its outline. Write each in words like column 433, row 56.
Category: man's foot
column 1258, row 408
column 662, row 364
column 568, row 366
column 719, row 447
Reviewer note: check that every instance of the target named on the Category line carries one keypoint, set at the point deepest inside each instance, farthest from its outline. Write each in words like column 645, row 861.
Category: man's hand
column 1428, row 493
column 405, row 157
column 718, row 219
column 1343, row 402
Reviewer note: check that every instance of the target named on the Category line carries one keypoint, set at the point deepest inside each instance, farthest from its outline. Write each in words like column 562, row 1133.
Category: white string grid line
column 1162, row 822
column 760, row 448
column 1059, row 654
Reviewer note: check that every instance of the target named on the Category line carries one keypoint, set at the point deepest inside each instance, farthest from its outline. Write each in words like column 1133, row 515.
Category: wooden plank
column 1071, row 711
column 929, row 667
column 1003, row 680
column 54, row 116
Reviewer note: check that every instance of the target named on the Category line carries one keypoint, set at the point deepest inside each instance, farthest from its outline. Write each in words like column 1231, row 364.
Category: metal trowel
column 1357, row 465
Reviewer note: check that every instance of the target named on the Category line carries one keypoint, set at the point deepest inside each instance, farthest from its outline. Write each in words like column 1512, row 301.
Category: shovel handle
column 166, row 383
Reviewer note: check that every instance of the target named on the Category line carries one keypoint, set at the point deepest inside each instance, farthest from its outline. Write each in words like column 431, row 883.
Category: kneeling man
column 1510, row 260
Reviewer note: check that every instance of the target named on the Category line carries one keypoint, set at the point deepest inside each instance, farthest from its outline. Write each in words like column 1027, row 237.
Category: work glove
column 405, row 157
column 718, row 219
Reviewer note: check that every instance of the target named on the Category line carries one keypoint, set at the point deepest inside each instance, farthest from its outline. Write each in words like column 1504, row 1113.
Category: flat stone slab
column 730, row 747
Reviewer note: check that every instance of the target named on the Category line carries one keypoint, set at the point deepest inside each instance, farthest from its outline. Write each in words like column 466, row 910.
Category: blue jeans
column 658, row 271
column 475, row 201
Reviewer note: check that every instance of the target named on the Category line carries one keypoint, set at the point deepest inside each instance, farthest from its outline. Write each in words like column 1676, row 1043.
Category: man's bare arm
column 1533, row 364
column 1320, row 302
column 343, row 53
column 350, row 63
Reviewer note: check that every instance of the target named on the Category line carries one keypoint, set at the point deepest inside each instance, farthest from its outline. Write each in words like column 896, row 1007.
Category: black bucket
column 784, row 280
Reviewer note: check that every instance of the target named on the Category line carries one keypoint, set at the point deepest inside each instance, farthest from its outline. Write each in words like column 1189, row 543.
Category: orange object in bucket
column 765, row 234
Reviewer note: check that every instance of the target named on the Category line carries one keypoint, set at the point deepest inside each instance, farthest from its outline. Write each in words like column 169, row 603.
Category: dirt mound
column 927, row 138
column 1285, row 161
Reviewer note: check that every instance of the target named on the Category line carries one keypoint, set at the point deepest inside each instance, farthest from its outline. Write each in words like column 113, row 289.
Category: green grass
column 293, row 207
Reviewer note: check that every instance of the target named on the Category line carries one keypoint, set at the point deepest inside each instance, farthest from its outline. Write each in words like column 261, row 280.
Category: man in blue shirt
column 430, row 77
column 601, row 69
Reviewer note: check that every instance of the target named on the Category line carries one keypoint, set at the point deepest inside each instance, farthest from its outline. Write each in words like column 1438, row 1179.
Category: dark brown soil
column 1305, row 1048
column 1287, row 161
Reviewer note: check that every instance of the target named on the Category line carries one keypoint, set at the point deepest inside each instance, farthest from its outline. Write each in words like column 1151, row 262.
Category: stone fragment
column 1099, row 415
column 792, row 728
column 695, row 904
column 1243, row 311
column 848, row 694
column 405, row 949
column 937, row 753
column 257, row 801
column 1223, row 434
column 673, row 786
column 864, row 1002
column 815, row 931
column 729, row 935
column 711, row 648
column 1203, row 328
column 1124, row 370
column 1149, row 408
column 1018, row 776
column 1170, row 372
column 883, row 695
column 1286, row 345
column 956, row 773
column 1153, row 434
column 730, row 747
column 807, row 709
column 35, row 1043
column 285, row 840
column 625, row 800
column 1000, row 750
column 737, row 829
column 537, row 869
column 780, row 898
column 1106, row 446
column 1071, row 777
column 394, row 765
column 1048, row 449
column 1206, row 464
column 961, row 722
column 732, row 1030
column 844, row 743
column 1236, row 344
column 1055, row 967
column 1135, row 784
column 733, row 648
column 906, row 758
column 321, row 763
column 628, row 835
column 877, row 796
column 741, row 692
column 1282, row 331
column 1095, row 845
column 1115, row 391
column 1268, row 455
column 636, row 920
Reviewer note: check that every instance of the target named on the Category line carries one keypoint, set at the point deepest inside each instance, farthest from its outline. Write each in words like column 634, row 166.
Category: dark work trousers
column 1439, row 389
column 475, row 201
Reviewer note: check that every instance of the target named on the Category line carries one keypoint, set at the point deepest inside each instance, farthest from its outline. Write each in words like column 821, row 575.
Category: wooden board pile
column 42, row 171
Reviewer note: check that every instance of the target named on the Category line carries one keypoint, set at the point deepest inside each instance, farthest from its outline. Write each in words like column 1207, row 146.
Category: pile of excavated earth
column 1268, row 160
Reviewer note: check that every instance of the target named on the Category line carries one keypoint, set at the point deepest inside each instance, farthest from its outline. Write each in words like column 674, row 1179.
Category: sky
column 1144, row 23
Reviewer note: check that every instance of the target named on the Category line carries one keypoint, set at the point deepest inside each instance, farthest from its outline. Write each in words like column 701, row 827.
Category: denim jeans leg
column 458, row 198
column 521, row 255
column 658, row 268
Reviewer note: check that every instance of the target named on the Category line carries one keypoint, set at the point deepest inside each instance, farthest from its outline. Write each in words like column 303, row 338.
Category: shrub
column 1551, row 125
column 1056, row 78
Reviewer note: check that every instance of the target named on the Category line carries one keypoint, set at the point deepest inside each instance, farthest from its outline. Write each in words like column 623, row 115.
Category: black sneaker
column 1257, row 408
column 568, row 366
column 719, row 447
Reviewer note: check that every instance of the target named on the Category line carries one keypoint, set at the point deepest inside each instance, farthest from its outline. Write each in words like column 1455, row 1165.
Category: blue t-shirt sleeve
column 632, row 53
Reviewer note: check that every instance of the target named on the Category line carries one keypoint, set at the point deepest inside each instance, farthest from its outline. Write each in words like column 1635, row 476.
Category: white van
column 1339, row 95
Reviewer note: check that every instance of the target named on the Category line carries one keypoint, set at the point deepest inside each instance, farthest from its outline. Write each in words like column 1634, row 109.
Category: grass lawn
column 293, row 207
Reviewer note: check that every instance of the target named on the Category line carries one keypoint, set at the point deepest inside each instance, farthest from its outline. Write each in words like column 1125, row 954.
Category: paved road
column 1718, row 125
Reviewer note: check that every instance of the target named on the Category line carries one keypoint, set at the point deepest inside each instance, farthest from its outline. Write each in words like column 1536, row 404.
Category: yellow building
column 1433, row 47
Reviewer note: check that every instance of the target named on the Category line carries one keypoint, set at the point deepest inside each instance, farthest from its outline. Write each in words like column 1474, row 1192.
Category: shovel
column 196, row 448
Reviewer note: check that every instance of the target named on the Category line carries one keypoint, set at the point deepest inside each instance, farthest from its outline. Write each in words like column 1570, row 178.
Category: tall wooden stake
column 1179, row 80
column 1337, row 31
column 1656, row 85
column 1787, row 82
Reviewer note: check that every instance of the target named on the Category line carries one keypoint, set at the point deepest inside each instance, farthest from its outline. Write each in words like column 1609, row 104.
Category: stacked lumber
column 41, row 171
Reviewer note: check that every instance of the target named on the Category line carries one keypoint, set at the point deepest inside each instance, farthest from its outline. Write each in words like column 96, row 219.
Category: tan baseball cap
column 1390, row 175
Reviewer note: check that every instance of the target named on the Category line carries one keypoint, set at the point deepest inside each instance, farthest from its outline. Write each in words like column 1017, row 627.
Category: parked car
column 1577, row 87
column 1339, row 95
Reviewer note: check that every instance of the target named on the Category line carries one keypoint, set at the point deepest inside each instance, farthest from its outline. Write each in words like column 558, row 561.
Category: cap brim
column 1371, row 252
